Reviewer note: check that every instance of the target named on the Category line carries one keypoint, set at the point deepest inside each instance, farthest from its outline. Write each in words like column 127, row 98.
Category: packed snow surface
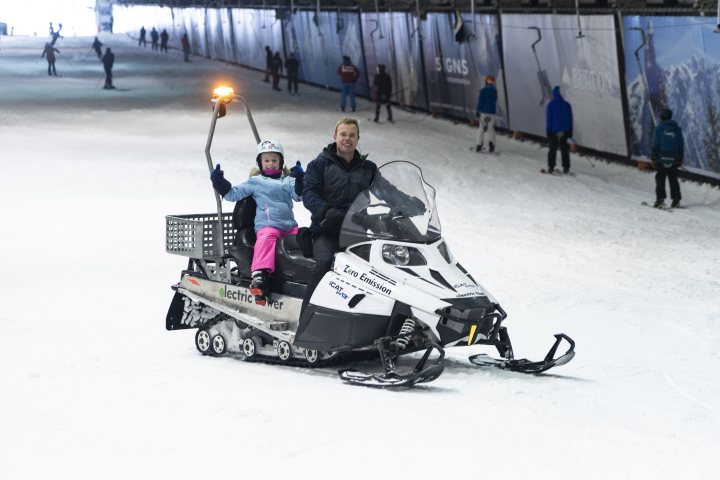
column 94, row 387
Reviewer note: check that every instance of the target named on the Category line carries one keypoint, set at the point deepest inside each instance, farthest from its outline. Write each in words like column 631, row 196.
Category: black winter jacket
column 330, row 182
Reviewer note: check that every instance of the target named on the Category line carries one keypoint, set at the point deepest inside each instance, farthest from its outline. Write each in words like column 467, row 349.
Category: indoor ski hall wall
column 438, row 64
column 584, row 67
column 680, row 63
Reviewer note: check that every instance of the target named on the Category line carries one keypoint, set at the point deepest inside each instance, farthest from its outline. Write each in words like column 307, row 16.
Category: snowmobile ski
column 526, row 366
column 390, row 380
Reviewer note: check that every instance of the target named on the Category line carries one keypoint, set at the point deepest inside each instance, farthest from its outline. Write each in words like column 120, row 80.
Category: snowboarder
column 97, row 46
column 667, row 154
column 276, row 66
column 332, row 181
column 274, row 188
column 142, row 41
column 383, row 91
column 559, row 128
column 185, row 42
column 292, row 67
column 486, row 109
column 349, row 74
column 154, row 35
column 49, row 53
column 108, row 60
column 163, row 40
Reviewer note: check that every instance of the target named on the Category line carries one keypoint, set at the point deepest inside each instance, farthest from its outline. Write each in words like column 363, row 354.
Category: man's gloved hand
column 413, row 207
column 220, row 184
column 569, row 134
column 299, row 175
column 333, row 219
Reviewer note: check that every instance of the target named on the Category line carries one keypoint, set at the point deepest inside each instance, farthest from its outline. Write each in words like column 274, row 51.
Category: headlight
column 402, row 256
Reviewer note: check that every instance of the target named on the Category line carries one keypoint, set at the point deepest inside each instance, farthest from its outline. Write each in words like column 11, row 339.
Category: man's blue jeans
column 348, row 90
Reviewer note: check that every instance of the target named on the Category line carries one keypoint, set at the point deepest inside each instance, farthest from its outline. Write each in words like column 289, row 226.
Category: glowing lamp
column 223, row 93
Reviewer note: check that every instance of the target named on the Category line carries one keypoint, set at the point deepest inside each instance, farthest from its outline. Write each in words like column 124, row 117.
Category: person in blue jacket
column 667, row 154
column 559, row 129
column 486, row 110
column 273, row 188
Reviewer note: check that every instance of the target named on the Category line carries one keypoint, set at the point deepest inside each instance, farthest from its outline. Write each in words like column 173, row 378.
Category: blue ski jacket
column 668, row 145
column 487, row 100
column 558, row 114
column 274, row 198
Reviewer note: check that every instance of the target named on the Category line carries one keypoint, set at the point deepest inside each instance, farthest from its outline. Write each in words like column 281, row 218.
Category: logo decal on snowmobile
column 370, row 281
column 193, row 281
column 339, row 290
column 242, row 295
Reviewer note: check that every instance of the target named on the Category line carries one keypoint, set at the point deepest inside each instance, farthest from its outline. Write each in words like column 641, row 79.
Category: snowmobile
column 394, row 290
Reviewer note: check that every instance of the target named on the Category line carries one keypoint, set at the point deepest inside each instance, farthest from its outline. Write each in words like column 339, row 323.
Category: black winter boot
column 259, row 286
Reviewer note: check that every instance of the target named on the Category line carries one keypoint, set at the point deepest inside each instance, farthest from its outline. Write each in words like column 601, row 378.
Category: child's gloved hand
column 298, row 174
column 297, row 170
column 220, row 184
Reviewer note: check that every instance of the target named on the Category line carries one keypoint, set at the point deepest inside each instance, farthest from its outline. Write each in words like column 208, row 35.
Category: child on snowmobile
column 273, row 188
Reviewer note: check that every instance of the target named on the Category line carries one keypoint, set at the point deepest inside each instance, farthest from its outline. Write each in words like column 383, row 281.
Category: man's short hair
column 348, row 121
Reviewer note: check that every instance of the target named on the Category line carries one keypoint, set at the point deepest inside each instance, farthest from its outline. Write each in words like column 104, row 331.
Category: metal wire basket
column 196, row 236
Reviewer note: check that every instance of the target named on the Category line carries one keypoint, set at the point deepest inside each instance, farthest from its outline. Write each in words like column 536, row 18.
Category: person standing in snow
column 349, row 74
column 559, row 128
column 154, row 35
column 268, row 63
column 292, row 67
column 185, row 42
column 382, row 84
column 667, row 154
column 49, row 53
column 276, row 67
column 273, row 187
column 486, row 110
column 163, row 40
column 142, row 41
column 108, row 61
column 97, row 46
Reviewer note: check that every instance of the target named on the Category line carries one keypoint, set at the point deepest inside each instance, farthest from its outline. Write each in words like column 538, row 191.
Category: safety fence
column 617, row 71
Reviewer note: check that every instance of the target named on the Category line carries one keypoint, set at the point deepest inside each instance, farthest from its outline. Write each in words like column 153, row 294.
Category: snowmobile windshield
column 399, row 205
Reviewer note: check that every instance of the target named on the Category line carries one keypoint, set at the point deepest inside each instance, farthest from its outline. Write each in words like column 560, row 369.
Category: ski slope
column 94, row 387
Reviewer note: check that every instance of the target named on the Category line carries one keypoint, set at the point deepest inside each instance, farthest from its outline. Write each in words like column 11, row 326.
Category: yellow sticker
column 472, row 334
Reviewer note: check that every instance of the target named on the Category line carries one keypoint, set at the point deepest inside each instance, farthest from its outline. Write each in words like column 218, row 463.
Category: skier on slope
column 667, row 153
column 486, row 110
column 559, row 128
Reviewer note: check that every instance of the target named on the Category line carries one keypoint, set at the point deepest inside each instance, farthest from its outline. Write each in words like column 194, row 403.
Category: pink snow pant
column 267, row 237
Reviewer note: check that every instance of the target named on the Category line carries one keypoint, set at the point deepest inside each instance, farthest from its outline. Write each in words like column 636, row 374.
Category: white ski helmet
column 269, row 146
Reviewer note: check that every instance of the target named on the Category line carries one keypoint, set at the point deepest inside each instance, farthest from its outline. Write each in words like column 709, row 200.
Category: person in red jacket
column 349, row 74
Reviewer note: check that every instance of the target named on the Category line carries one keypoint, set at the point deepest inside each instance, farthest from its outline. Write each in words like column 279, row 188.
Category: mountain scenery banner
column 678, row 67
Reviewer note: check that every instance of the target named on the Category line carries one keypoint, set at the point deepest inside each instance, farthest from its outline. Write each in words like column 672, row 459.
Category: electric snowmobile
column 394, row 289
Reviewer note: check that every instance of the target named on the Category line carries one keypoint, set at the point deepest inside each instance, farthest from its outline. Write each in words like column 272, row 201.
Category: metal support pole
column 577, row 13
column 218, row 200
column 642, row 72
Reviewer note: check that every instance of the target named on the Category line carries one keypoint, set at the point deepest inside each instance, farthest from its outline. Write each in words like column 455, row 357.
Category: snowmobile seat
column 243, row 220
column 290, row 263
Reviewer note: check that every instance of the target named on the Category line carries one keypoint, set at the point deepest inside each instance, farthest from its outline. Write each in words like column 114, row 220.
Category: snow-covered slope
column 94, row 387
